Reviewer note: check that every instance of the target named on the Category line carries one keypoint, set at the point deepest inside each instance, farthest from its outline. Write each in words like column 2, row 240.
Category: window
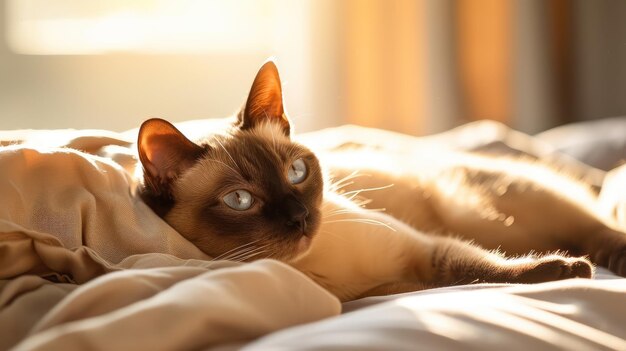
column 78, row 27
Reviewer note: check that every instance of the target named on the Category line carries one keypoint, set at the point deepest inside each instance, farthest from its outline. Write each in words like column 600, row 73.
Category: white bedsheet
column 575, row 314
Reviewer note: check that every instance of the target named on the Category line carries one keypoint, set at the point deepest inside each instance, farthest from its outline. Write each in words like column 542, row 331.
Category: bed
column 84, row 264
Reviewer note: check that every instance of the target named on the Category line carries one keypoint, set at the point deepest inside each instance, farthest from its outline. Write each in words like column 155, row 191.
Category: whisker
column 343, row 185
column 236, row 256
column 227, row 153
column 243, row 259
column 241, row 252
column 360, row 210
column 363, row 221
column 235, row 249
column 354, row 193
column 251, row 253
column 225, row 165
column 362, row 202
column 336, row 212
column 352, row 175
column 343, row 182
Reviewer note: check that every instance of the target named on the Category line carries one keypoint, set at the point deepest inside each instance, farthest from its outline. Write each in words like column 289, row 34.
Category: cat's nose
column 297, row 214
column 298, row 222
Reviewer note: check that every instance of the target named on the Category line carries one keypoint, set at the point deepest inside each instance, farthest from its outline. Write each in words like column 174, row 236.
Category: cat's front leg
column 457, row 262
column 454, row 262
column 378, row 261
column 357, row 251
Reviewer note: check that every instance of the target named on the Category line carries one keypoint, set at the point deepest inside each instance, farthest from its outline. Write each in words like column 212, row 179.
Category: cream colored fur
column 505, row 204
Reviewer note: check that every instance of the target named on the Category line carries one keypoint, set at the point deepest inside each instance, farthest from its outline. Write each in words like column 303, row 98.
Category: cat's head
column 245, row 194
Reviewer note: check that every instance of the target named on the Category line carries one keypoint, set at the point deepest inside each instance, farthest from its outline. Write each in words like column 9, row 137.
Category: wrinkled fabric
column 179, row 307
column 574, row 314
column 68, row 217
column 84, row 264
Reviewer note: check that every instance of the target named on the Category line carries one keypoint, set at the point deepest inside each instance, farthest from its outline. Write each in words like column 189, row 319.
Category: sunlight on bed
column 514, row 316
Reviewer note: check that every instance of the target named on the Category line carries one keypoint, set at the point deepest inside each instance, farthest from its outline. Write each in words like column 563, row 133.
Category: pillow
column 600, row 143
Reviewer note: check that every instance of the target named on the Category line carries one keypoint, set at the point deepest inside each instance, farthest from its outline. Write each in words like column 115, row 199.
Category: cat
column 250, row 192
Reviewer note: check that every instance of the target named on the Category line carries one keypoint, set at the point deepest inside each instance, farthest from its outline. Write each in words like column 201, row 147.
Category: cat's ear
column 265, row 101
column 164, row 153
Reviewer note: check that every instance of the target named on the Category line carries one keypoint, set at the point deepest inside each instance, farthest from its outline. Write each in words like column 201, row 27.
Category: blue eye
column 297, row 171
column 239, row 200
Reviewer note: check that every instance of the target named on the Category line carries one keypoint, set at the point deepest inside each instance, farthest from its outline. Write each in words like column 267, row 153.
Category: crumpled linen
column 68, row 217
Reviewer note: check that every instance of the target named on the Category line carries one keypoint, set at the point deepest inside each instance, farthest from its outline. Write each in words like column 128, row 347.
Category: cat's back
column 416, row 185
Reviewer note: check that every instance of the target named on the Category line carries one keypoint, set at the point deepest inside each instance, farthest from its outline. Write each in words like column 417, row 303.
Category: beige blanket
column 68, row 217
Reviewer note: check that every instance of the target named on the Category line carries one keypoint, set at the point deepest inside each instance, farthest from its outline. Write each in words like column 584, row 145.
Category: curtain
column 424, row 66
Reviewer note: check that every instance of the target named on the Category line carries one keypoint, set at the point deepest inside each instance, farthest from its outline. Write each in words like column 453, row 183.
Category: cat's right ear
column 164, row 153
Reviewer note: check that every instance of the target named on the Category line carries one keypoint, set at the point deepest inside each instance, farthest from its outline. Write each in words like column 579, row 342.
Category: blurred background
column 418, row 66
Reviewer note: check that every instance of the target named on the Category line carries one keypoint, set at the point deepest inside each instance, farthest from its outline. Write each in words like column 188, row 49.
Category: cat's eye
column 239, row 200
column 297, row 171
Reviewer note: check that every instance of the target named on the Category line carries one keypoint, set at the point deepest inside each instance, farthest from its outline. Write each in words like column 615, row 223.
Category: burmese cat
column 251, row 192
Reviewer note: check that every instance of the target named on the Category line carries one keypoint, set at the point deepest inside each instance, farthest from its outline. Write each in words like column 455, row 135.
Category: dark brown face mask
column 249, row 190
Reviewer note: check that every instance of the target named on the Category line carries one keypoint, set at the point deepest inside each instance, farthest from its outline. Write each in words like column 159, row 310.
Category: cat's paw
column 555, row 268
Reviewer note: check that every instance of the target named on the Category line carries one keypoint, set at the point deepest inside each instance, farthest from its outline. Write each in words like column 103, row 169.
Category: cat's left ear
column 265, row 101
